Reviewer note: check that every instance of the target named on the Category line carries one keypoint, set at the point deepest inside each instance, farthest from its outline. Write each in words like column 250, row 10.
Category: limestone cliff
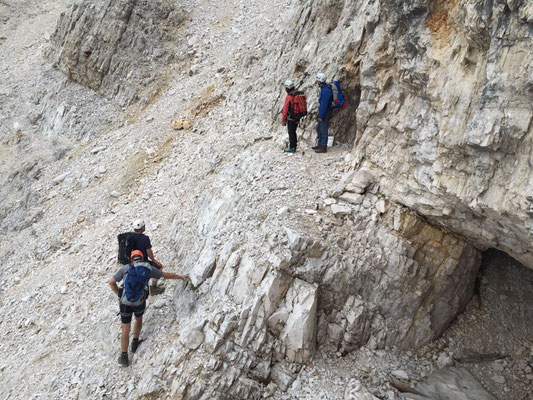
column 375, row 244
column 124, row 50
column 441, row 93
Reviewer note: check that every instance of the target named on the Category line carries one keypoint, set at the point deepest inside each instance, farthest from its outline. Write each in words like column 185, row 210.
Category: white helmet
column 320, row 77
column 289, row 84
column 138, row 224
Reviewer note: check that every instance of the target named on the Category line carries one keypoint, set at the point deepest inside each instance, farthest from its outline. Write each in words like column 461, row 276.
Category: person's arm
column 150, row 254
column 285, row 110
column 324, row 100
column 170, row 275
column 114, row 287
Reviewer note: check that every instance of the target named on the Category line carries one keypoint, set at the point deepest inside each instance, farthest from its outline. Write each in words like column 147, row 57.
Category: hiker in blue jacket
column 324, row 114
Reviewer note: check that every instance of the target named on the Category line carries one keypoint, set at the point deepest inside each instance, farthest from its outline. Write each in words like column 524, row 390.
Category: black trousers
column 291, row 128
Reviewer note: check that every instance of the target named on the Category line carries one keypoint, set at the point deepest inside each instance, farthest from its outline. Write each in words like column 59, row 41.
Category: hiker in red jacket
column 295, row 107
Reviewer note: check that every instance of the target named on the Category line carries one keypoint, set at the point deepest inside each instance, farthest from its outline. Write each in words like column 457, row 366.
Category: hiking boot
column 321, row 150
column 290, row 150
column 135, row 344
column 315, row 147
column 123, row 360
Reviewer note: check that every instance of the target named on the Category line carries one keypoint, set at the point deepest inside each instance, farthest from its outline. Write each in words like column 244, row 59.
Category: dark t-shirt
column 142, row 243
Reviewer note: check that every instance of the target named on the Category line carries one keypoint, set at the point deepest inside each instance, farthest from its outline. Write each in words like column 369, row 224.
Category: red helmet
column 136, row 254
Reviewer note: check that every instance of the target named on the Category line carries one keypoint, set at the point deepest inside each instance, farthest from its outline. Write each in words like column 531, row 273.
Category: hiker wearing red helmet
column 132, row 297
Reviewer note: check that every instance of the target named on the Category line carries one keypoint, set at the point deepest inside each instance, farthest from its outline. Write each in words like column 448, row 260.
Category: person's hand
column 319, row 119
column 183, row 277
column 283, row 123
column 160, row 266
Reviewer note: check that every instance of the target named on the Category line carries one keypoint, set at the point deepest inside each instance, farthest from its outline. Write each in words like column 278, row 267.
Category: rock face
column 375, row 246
column 456, row 383
column 122, row 49
column 442, row 106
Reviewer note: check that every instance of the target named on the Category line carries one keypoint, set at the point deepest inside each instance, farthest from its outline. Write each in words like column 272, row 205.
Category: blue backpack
column 133, row 293
column 339, row 100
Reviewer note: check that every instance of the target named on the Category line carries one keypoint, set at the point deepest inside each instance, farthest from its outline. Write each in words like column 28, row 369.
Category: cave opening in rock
column 493, row 337
column 344, row 122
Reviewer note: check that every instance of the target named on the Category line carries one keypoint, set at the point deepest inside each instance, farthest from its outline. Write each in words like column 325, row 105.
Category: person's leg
column 293, row 138
column 153, row 281
column 137, row 328
column 125, row 317
column 139, row 311
column 125, row 339
column 322, row 134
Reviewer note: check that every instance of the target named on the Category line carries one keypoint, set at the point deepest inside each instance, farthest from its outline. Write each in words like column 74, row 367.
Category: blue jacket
column 324, row 100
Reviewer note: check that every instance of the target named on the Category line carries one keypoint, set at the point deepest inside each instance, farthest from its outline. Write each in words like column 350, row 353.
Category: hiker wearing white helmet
column 325, row 99
column 142, row 242
column 294, row 108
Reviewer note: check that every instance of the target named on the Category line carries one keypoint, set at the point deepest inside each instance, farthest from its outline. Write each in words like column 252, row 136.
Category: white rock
column 282, row 210
column 60, row 178
column 340, row 210
column 159, row 303
column 97, row 149
column 192, row 338
column 339, row 187
column 282, row 377
column 295, row 387
column 352, row 198
column 444, row 360
column 63, row 290
column 299, row 334
column 400, row 374
column 204, row 266
column 380, row 206
column 361, row 180
column 270, row 390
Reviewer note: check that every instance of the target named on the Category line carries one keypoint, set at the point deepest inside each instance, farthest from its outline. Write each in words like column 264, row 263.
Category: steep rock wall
column 444, row 115
column 286, row 254
column 123, row 49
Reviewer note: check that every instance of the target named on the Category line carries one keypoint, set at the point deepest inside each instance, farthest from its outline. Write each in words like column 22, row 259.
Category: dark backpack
column 126, row 244
column 133, row 292
column 298, row 106
column 339, row 100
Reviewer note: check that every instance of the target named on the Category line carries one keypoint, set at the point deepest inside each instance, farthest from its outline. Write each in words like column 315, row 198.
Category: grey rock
column 281, row 376
column 455, row 383
column 204, row 266
column 192, row 338
column 339, row 210
column 352, row 198
column 400, row 374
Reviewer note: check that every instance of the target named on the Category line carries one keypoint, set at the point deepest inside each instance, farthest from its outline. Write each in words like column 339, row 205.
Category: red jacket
column 288, row 101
